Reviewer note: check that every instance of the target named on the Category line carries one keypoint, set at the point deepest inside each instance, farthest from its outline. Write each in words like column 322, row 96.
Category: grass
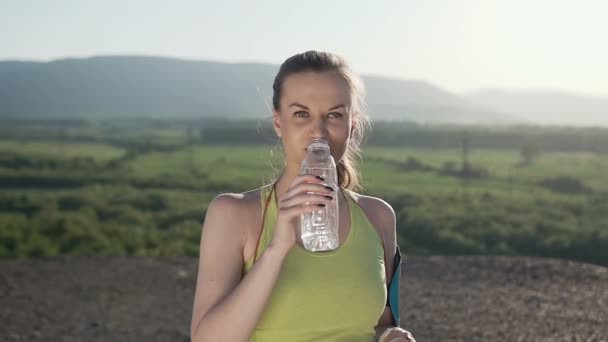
column 98, row 151
column 155, row 202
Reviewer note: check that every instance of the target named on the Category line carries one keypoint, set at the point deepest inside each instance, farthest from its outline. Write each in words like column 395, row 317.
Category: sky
column 459, row 45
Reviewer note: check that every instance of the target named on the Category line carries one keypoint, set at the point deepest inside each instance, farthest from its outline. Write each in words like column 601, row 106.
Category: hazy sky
column 459, row 45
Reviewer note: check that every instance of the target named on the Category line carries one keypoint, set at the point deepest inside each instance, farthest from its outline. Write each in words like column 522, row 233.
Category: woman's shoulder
column 379, row 213
column 235, row 216
column 238, row 203
column 374, row 206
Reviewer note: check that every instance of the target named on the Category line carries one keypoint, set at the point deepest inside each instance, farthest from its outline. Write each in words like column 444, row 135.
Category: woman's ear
column 276, row 123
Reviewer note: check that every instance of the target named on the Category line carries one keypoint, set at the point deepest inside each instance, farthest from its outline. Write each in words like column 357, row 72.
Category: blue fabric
column 393, row 293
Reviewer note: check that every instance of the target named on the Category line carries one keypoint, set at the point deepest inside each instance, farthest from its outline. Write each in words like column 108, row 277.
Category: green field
column 99, row 152
column 145, row 193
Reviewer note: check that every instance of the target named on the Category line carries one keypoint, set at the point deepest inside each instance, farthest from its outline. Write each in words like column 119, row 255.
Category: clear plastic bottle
column 319, row 229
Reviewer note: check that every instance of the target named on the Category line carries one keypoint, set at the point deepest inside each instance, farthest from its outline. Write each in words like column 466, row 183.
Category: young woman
column 255, row 280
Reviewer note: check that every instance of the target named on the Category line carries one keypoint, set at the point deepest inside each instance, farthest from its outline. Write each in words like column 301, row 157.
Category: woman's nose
column 319, row 129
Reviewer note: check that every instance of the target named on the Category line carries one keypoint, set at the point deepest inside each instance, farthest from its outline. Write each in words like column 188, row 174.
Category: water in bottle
column 319, row 229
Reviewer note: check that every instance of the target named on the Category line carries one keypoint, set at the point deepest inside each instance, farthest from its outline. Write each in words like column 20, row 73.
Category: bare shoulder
column 241, row 207
column 378, row 209
column 242, row 212
column 234, row 202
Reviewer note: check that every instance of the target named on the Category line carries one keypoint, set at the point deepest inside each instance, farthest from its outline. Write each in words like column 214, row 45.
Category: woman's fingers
column 305, row 178
column 306, row 190
column 305, row 198
column 299, row 210
column 308, row 184
column 409, row 336
column 400, row 335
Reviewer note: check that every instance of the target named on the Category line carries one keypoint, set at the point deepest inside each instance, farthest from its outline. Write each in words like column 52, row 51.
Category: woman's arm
column 382, row 217
column 385, row 222
column 227, row 308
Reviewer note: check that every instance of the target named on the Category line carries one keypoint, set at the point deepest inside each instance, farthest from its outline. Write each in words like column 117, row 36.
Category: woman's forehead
column 323, row 88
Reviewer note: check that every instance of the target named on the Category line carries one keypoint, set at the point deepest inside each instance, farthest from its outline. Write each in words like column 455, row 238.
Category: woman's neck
column 284, row 180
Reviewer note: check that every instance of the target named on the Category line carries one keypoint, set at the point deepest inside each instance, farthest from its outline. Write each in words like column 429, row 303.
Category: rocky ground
column 443, row 299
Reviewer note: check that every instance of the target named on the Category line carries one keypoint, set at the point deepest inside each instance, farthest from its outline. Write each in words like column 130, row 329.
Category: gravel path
column 443, row 299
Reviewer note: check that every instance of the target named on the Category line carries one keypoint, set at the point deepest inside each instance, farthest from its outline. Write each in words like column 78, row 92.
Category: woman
column 255, row 280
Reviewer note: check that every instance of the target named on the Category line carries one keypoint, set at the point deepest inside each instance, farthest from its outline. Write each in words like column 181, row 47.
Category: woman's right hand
column 306, row 193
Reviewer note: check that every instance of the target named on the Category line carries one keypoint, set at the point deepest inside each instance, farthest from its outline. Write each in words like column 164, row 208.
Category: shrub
column 565, row 184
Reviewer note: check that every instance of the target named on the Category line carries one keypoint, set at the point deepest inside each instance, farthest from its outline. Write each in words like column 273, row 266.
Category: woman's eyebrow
column 296, row 104
column 337, row 106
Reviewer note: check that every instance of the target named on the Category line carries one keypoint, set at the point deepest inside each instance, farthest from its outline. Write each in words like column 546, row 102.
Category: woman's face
column 314, row 105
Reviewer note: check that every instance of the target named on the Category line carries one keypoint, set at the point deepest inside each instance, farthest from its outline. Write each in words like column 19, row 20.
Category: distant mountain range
column 134, row 86
column 546, row 107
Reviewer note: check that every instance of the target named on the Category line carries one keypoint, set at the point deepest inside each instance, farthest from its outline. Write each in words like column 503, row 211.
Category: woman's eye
column 334, row 115
column 301, row 114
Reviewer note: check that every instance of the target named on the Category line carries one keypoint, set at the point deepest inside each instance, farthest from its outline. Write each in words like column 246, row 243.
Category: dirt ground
column 443, row 299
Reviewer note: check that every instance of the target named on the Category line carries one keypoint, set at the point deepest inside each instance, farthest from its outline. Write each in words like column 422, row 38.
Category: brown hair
column 318, row 61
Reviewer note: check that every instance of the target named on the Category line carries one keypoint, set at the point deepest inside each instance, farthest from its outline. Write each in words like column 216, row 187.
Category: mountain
column 119, row 86
column 131, row 86
column 395, row 99
column 546, row 107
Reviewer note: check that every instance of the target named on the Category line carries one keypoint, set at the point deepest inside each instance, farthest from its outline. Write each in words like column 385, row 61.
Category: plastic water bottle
column 319, row 229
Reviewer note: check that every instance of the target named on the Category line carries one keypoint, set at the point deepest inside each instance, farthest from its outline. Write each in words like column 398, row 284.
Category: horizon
column 547, row 90
column 389, row 97
column 464, row 47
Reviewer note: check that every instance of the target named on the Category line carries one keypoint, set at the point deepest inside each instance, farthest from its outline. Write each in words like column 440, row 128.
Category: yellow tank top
column 325, row 297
